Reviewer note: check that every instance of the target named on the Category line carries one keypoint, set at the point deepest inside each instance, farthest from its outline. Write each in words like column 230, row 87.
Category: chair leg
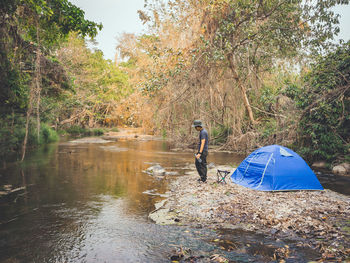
column 221, row 175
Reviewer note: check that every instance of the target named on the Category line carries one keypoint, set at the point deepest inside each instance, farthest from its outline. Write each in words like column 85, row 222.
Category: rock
column 7, row 187
column 171, row 173
column 153, row 192
column 218, row 258
column 320, row 164
column 163, row 216
column 274, row 231
column 159, row 205
column 156, row 170
column 211, row 165
column 346, row 166
column 339, row 169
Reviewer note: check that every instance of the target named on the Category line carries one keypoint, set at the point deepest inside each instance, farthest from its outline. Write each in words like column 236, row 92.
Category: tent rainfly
column 275, row 168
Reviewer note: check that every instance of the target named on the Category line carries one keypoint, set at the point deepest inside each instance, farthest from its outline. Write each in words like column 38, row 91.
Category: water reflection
column 84, row 202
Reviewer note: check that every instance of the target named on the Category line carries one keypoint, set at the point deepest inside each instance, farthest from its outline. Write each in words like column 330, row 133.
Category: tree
column 324, row 131
column 33, row 29
column 97, row 86
column 250, row 36
column 211, row 59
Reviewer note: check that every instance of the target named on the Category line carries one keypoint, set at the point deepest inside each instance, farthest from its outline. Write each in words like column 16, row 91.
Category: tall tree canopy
column 229, row 62
column 325, row 104
column 28, row 26
column 31, row 31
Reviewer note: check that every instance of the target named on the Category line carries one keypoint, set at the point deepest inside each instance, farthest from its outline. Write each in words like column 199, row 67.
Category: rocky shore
column 316, row 219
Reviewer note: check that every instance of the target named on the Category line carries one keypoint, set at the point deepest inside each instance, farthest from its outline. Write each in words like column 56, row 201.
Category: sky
column 116, row 16
column 119, row 16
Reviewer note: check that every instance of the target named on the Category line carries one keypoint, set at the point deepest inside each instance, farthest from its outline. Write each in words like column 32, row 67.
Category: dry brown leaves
column 316, row 216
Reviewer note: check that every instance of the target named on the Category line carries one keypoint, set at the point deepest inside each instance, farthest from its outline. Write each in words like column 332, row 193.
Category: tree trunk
column 243, row 91
column 29, row 113
column 38, row 82
column 34, row 97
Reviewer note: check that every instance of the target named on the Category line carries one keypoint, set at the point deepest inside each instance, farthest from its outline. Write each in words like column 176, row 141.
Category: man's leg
column 198, row 167
column 203, row 167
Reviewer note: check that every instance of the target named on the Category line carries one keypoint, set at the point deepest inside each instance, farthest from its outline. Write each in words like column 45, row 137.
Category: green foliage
column 154, row 83
column 96, row 87
column 219, row 134
column 233, row 49
column 164, row 133
column 97, row 131
column 31, row 31
column 269, row 128
column 48, row 135
column 23, row 24
column 325, row 122
column 12, row 131
column 130, row 63
column 55, row 19
column 292, row 91
column 76, row 130
column 266, row 98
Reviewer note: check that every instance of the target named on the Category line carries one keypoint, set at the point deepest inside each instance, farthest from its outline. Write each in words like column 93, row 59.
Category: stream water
column 86, row 202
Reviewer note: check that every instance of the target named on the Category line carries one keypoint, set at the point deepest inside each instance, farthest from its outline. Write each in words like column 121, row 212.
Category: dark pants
column 202, row 166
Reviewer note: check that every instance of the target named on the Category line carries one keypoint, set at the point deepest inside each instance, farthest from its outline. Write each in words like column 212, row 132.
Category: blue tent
column 275, row 168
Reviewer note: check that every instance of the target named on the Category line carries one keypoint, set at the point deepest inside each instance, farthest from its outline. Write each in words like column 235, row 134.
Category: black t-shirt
column 203, row 134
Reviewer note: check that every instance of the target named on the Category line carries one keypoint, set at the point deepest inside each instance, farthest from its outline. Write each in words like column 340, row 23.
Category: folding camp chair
column 221, row 175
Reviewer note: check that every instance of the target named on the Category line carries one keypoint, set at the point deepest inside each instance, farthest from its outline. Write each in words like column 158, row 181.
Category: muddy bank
column 317, row 219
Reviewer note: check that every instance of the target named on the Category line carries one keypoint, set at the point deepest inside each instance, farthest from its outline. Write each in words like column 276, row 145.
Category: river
column 88, row 202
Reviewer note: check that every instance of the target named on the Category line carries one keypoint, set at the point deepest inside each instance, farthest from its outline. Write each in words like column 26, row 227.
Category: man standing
column 201, row 156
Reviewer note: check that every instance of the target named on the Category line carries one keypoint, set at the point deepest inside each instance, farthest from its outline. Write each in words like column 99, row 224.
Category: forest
column 255, row 72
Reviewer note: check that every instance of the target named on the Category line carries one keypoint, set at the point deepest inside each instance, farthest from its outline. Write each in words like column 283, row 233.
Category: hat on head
column 197, row 123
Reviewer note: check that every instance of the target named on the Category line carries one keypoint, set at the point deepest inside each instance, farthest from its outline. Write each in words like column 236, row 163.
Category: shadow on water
column 337, row 183
column 85, row 202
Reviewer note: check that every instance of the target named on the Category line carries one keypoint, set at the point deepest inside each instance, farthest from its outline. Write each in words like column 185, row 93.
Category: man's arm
column 201, row 149
column 202, row 145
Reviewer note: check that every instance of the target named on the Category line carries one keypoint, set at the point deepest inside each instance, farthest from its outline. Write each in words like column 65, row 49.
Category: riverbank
column 128, row 134
column 315, row 219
